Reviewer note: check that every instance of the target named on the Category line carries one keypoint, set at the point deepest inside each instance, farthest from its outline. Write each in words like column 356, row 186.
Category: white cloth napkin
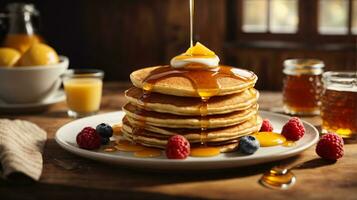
column 21, row 147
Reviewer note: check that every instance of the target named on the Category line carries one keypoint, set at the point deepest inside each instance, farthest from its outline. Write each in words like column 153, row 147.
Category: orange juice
column 83, row 94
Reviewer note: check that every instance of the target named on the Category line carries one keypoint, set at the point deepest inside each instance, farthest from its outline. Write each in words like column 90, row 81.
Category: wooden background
column 120, row 36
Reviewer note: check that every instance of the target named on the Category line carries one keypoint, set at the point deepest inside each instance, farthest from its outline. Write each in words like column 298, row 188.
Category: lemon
column 39, row 54
column 9, row 57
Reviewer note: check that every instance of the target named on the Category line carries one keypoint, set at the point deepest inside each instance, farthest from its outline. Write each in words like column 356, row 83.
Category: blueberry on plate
column 248, row 144
column 104, row 140
column 104, row 130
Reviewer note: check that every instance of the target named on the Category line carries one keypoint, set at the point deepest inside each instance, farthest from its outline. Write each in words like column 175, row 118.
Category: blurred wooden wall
column 120, row 36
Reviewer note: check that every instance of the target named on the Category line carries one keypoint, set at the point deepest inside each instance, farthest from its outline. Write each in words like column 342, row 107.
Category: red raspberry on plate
column 88, row 138
column 177, row 147
column 330, row 147
column 293, row 129
column 266, row 126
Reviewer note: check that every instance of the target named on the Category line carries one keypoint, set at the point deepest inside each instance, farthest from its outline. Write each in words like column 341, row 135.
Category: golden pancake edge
column 181, row 121
column 181, row 86
column 191, row 105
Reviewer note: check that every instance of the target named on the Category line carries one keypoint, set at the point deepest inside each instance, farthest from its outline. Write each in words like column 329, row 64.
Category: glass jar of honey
column 302, row 86
column 339, row 103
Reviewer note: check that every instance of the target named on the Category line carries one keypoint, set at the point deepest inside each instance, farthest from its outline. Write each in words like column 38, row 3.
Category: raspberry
column 177, row 147
column 266, row 126
column 330, row 147
column 293, row 129
column 88, row 139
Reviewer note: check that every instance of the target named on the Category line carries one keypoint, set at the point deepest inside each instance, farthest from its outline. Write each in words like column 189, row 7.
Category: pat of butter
column 198, row 54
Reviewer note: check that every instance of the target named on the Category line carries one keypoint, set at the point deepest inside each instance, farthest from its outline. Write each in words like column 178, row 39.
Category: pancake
column 226, row 146
column 152, row 139
column 251, row 125
column 180, row 121
column 191, row 105
column 181, row 86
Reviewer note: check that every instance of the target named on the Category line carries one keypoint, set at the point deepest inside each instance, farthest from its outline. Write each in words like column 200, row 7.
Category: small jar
column 83, row 88
column 339, row 103
column 302, row 86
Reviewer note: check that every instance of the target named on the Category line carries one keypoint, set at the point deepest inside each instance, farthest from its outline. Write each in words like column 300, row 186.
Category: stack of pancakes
column 173, row 107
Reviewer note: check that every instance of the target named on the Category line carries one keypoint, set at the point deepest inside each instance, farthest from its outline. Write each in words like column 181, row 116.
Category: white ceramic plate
column 57, row 97
column 66, row 138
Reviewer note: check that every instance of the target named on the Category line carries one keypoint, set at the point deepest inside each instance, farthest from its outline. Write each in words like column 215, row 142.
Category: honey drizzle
column 136, row 130
column 148, row 153
column 289, row 143
column 110, row 149
column 117, row 129
column 205, row 81
column 268, row 139
column 136, row 149
column 192, row 13
column 204, row 151
column 124, row 145
column 204, row 121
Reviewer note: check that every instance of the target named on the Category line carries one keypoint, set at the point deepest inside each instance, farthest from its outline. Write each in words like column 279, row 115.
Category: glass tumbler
column 339, row 103
column 83, row 88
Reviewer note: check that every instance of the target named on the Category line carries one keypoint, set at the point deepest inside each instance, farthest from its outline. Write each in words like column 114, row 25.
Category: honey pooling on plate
column 302, row 86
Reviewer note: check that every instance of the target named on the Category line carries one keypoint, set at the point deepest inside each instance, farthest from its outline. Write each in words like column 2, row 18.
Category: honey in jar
column 339, row 103
column 302, row 86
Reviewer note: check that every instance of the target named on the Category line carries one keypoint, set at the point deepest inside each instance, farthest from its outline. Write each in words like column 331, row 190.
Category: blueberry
column 104, row 130
column 248, row 144
column 104, row 140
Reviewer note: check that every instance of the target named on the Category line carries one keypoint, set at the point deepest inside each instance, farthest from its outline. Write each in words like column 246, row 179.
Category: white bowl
column 31, row 84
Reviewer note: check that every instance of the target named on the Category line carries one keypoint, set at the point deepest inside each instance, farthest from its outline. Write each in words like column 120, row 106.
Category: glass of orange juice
column 83, row 88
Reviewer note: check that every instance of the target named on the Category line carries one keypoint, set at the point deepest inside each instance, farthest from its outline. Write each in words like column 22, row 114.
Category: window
column 255, row 16
column 354, row 17
column 320, row 17
column 333, row 16
column 338, row 17
column 275, row 16
column 284, row 16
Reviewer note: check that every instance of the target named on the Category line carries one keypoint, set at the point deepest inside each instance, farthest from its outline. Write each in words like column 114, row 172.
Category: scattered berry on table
column 266, row 126
column 88, row 138
column 177, row 147
column 330, row 147
column 104, row 130
column 104, row 140
column 293, row 129
column 248, row 144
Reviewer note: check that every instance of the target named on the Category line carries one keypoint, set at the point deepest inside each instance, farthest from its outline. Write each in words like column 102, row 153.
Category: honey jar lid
column 340, row 80
column 303, row 66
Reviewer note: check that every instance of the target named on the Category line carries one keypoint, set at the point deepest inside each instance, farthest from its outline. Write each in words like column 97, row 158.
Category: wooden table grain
column 68, row 176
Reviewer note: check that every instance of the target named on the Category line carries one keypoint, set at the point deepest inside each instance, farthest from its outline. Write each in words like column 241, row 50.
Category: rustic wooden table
column 68, row 176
